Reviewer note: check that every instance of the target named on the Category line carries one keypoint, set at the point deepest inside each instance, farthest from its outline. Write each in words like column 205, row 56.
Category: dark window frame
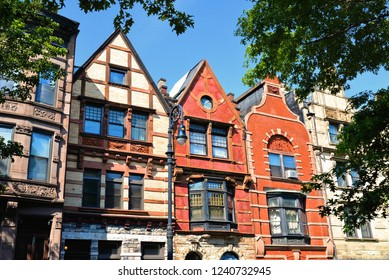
column 198, row 139
column 201, row 195
column 281, row 228
column 157, row 246
column 218, row 136
column 93, row 114
column 116, row 120
column 136, row 182
column 95, row 176
column 123, row 75
column 106, row 249
column 139, row 126
column 112, row 199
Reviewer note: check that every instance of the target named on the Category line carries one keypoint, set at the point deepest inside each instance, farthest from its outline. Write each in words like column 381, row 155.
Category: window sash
column 280, row 163
column 287, row 216
column 139, row 126
column 7, row 133
column 45, row 92
column 135, row 192
column 219, row 146
column 40, row 153
column 93, row 116
column 333, row 133
column 91, row 189
column 113, row 190
column 117, row 76
column 116, row 123
column 210, row 200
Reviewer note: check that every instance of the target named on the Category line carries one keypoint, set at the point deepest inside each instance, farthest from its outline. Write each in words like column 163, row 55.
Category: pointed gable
column 202, row 96
column 118, row 54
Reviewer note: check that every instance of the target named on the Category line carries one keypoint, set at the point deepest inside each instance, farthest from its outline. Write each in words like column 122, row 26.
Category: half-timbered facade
column 116, row 181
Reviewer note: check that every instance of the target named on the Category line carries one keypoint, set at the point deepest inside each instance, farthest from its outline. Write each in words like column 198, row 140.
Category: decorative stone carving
column 280, row 143
column 44, row 114
column 33, row 190
column 92, row 141
column 273, row 90
column 58, row 137
column 21, row 129
column 117, row 145
column 139, row 149
column 9, row 106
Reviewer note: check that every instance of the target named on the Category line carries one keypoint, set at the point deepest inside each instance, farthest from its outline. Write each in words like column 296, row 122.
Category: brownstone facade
column 31, row 205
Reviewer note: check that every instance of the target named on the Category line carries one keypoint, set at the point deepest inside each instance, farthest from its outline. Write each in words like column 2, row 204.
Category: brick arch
column 279, row 143
column 276, row 139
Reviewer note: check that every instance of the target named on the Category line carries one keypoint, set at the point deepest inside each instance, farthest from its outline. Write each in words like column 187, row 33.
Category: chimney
column 163, row 87
column 231, row 96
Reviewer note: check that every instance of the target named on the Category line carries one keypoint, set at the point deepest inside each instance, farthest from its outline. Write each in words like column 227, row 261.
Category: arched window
column 193, row 256
column 228, row 256
column 281, row 158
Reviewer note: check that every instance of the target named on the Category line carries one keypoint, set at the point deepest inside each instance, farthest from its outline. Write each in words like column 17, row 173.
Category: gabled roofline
column 138, row 59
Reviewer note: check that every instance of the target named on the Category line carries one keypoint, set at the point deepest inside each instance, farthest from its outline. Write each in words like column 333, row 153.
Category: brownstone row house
column 32, row 202
column 236, row 180
column 286, row 222
column 212, row 199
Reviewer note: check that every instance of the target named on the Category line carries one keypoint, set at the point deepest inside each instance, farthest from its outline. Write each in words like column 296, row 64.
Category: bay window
column 287, row 217
column 211, row 204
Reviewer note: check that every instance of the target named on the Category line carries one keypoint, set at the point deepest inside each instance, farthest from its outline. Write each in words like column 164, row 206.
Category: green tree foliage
column 314, row 43
column 28, row 41
column 327, row 44
column 365, row 144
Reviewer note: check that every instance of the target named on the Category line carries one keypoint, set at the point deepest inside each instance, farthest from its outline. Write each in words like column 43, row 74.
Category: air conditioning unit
column 291, row 174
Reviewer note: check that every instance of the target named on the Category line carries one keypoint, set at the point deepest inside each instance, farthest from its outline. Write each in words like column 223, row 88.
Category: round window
column 206, row 102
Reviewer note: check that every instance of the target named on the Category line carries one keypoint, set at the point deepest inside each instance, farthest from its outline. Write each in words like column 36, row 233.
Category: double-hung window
column 135, row 192
column 139, row 126
column 113, row 190
column 362, row 232
column 6, row 132
column 91, row 188
column 287, row 217
column 219, row 142
column 198, row 139
column 282, row 165
column 93, row 116
column 40, row 154
column 211, row 201
column 333, row 133
column 116, row 122
column 46, row 91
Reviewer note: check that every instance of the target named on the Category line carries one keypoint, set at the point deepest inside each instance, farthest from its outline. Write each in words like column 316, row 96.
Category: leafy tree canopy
column 327, row 44
column 365, row 145
column 314, row 43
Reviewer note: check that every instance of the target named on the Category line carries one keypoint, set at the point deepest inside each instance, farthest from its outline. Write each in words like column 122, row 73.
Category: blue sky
column 169, row 56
